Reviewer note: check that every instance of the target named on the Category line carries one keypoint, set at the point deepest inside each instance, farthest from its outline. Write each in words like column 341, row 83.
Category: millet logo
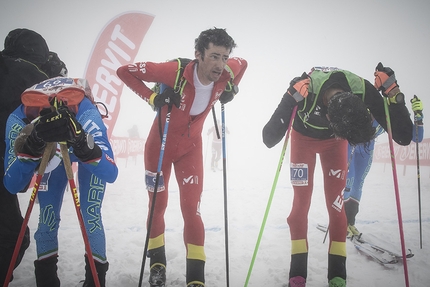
column 192, row 179
column 336, row 173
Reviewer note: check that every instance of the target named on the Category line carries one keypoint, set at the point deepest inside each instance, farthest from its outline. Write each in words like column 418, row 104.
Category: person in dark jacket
column 334, row 108
column 24, row 54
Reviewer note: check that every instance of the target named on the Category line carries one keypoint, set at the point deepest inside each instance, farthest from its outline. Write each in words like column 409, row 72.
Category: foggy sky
column 279, row 39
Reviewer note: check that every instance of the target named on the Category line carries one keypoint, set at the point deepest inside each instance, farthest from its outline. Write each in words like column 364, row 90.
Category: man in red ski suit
column 203, row 83
column 332, row 109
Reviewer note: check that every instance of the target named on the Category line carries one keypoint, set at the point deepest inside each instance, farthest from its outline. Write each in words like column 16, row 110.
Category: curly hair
column 350, row 119
column 217, row 36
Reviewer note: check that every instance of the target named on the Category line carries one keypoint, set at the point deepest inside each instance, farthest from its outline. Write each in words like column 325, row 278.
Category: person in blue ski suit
column 360, row 162
column 89, row 146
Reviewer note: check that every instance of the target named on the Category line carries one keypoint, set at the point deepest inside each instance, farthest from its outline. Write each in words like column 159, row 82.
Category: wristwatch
column 90, row 141
column 398, row 98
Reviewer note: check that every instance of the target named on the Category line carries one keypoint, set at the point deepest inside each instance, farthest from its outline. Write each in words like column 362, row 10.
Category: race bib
column 44, row 182
column 150, row 178
column 299, row 174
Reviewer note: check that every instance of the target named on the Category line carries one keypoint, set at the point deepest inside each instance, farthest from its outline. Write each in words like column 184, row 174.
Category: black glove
column 85, row 149
column 33, row 145
column 299, row 87
column 62, row 126
column 228, row 95
column 83, row 143
column 385, row 79
column 56, row 126
column 167, row 97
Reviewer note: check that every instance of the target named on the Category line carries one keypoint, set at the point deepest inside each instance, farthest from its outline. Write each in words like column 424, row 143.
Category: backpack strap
column 180, row 80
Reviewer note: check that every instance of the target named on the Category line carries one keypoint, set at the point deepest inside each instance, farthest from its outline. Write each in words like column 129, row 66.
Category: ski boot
column 297, row 281
column 101, row 269
column 46, row 272
column 157, row 275
column 353, row 231
column 337, row 282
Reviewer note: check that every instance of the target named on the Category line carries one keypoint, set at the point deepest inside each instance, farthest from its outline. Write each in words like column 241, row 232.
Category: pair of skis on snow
column 379, row 254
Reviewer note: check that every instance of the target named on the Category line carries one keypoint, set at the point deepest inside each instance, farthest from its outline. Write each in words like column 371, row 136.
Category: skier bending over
column 333, row 109
column 81, row 126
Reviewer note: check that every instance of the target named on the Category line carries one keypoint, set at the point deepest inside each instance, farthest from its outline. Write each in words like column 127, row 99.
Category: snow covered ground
column 275, row 56
column 249, row 183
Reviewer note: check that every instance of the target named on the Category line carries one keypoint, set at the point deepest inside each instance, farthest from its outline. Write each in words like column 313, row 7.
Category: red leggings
column 185, row 154
column 333, row 156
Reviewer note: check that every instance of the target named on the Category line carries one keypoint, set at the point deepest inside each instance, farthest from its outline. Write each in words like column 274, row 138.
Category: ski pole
column 75, row 196
column 43, row 163
column 224, row 172
column 418, row 176
column 157, row 179
column 215, row 121
column 396, row 190
column 419, row 184
column 272, row 192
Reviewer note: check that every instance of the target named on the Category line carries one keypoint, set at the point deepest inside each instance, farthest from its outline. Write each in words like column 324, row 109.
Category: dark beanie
column 26, row 44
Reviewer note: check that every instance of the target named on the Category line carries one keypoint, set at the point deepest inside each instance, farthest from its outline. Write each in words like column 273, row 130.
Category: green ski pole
column 269, row 203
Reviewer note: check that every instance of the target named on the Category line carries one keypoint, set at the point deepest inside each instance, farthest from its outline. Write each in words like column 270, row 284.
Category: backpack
column 69, row 90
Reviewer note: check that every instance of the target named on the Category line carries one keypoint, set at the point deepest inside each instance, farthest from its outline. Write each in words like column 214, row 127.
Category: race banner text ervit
column 117, row 44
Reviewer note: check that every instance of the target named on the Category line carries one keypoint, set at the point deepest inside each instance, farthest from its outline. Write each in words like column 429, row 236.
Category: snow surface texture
column 249, row 182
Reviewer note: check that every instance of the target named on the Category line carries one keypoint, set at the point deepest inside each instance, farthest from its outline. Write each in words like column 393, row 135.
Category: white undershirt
column 202, row 97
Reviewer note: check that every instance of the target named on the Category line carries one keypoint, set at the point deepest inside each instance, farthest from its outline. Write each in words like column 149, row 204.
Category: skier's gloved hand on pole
column 299, row 87
column 83, row 143
column 417, row 108
column 385, row 81
column 228, row 95
column 61, row 126
column 33, row 144
column 167, row 97
column 52, row 125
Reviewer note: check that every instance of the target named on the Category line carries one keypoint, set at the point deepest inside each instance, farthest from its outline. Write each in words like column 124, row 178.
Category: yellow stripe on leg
column 338, row 248
column 156, row 242
column 196, row 252
column 299, row 246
